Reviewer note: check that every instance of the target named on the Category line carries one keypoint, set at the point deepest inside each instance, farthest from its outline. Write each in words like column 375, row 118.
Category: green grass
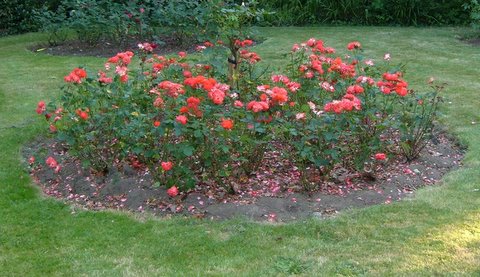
column 436, row 233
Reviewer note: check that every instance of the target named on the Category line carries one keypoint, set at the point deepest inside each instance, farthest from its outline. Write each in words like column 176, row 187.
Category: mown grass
column 436, row 233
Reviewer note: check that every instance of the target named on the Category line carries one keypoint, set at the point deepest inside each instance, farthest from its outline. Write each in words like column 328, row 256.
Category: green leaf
column 329, row 136
column 305, row 108
column 225, row 149
column 137, row 150
column 86, row 164
column 187, row 150
column 178, row 130
column 198, row 134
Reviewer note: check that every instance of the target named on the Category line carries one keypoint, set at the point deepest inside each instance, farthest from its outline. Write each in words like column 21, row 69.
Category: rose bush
column 121, row 22
column 186, row 120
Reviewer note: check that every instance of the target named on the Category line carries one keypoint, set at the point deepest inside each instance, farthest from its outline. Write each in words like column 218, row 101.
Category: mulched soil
column 272, row 193
column 108, row 49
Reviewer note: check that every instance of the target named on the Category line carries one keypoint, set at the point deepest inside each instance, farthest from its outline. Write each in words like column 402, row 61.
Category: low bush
column 190, row 119
column 184, row 20
column 93, row 21
column 54, row 24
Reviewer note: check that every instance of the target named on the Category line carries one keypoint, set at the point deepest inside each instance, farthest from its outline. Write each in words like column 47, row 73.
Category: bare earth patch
column 475, row 42
column 272, row 193
column 106, row 49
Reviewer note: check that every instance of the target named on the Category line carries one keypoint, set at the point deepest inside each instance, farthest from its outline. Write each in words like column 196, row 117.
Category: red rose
column 182, row 119
column 187, row 74
column 53, row 129
column 83, row 115
column 167, row 166
column 227, row 124
column 238, row 104
column 51, row 162
column 156, row 123
column 354, row 45
column 173, row 191
column 40, row 107
column 76, row 76
column 124, row 78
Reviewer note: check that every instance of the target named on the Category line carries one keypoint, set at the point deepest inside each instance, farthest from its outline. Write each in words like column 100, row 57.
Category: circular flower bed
column 207, row 123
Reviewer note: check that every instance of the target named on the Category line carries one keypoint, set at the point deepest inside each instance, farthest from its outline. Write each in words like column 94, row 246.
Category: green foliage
column 183, row 20
column 417, row 120
column 375, row 12
column 54, row 24
column 290, row 266
column 234, row 21
column 20, row 16
column 94, row 21
column 474, row 8
column 16, row 16
column 97, row 20
column 123, row 21
column 233, row 24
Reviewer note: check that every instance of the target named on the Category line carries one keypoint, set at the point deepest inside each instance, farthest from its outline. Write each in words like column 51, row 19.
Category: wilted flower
column 380, row 156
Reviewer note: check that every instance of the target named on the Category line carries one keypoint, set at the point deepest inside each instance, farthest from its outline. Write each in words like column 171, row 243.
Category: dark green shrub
column 416, row 12
column 93, row 21
column 474, row 8
column 187, row 22
column 184, row 20
column 54, row 23
column 367, row 12
column 16, row 16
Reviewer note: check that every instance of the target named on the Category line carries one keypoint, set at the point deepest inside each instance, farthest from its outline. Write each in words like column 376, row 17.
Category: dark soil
column 108, row 49
column 475, row 42
column 272, row 193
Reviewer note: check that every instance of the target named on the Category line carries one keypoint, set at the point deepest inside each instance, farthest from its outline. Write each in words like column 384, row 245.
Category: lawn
column 436, row 233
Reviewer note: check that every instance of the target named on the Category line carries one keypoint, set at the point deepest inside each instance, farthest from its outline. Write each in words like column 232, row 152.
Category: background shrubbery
column 121, row 22
column 474, row 7
column 368, row 12
column 184, row 19
column 16, row 16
